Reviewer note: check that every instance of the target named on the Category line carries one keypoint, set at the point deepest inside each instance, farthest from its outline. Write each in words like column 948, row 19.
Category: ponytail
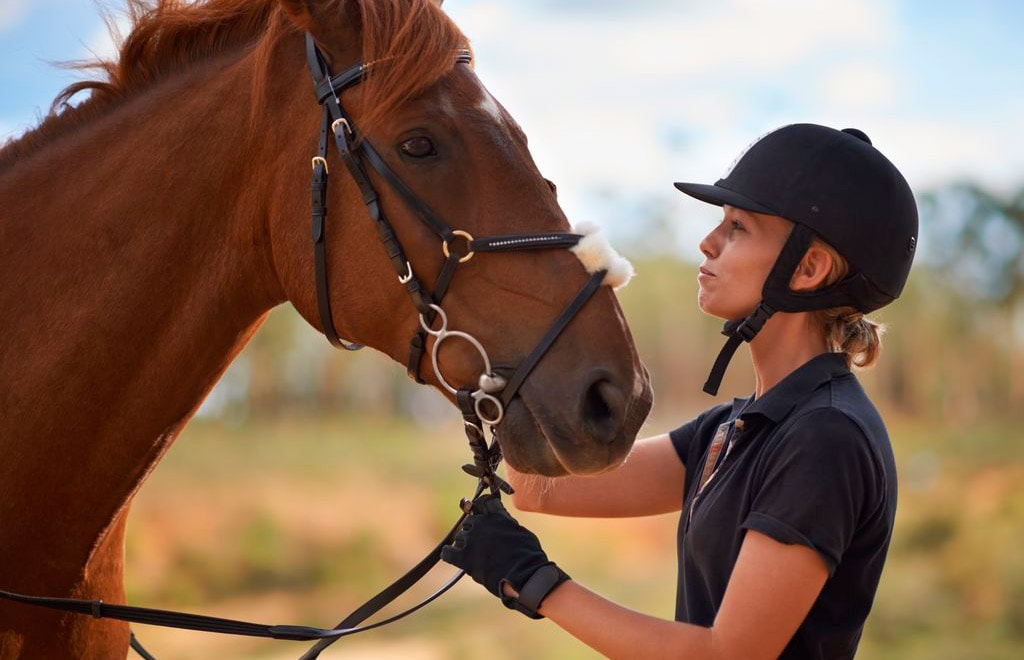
column 845, row 329
column 849, row 332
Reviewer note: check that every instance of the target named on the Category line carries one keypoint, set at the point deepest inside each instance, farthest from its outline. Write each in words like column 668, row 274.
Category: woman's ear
column 813, row 271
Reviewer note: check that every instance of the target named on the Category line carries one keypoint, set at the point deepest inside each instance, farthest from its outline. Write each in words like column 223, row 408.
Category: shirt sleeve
column 682, row 438
column 816, row 485
column 689, row 441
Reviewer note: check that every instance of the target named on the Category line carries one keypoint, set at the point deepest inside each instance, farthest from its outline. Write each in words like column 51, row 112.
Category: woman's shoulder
column 847, row 434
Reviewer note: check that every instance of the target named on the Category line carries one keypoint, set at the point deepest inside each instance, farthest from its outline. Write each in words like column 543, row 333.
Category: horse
column 147, row 231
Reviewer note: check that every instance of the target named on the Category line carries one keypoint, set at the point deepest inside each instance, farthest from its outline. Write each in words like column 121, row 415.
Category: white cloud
column 860, row 86
column 12, row 13
column 630, row 101
column 932, row 152
column 634, row 100
column 744, row 36
column 100, row 43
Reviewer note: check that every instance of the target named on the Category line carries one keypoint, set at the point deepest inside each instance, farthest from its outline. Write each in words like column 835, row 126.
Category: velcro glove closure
column 537, row 587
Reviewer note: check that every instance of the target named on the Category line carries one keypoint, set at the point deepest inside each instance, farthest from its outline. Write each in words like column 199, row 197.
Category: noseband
column 483, row 404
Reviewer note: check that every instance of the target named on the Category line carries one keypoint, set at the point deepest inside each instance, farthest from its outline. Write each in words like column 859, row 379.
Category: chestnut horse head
column 146, row 232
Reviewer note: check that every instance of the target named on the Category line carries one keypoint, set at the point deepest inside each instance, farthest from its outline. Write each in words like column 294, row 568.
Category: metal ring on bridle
column 440, row 337
column 489, row 381
column 479, row 397
column 321, row 159
column 444, row 322
column 469, row 239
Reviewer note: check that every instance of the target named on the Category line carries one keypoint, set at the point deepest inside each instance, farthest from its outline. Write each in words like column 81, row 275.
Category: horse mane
column 410, row 42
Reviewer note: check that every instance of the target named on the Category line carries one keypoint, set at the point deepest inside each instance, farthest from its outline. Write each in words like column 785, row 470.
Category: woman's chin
column 723, row 312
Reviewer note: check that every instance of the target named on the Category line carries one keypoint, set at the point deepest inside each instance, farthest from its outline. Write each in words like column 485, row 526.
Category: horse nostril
column 602, row 409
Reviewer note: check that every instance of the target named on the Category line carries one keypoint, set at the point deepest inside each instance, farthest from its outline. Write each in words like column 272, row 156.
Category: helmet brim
column 720, row 196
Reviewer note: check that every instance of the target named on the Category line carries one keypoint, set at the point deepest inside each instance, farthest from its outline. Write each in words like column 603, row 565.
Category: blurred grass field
column 298, row 520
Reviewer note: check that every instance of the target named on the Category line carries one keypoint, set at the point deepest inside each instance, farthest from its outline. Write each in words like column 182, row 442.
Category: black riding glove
column 494, row 549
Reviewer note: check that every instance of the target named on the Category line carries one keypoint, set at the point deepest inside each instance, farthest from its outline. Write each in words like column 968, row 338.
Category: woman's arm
column 772, row 588
column 649, row 482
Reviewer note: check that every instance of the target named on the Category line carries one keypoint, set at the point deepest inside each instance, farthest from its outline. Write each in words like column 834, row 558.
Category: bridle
column 482, row 404
column 356, row 154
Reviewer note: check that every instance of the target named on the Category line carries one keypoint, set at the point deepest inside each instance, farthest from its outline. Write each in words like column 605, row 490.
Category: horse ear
column 335, row 25
column 299, row 11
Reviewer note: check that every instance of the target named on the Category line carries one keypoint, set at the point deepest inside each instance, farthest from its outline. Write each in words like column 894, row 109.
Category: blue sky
column 622, row 98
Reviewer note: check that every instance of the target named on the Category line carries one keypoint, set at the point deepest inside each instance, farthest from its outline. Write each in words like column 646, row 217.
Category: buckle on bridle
column 343, row 122
column 405, row 279
column 322, row 161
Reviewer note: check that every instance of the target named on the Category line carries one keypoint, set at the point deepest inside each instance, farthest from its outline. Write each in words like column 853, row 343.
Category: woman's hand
column 505, row 557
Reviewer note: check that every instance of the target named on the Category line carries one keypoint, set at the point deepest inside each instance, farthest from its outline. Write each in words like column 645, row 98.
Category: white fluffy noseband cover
column 596, row 253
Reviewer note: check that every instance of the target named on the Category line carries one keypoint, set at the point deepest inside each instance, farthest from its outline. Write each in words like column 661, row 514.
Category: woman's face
column 738, row 255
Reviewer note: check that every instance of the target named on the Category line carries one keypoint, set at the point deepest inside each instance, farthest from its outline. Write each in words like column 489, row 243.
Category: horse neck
column 136, row 268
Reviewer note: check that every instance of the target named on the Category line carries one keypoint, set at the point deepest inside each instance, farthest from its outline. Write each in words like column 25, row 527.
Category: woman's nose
column 708, row 246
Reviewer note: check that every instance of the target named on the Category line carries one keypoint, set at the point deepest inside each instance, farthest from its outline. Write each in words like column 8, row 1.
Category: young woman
column 787, row 498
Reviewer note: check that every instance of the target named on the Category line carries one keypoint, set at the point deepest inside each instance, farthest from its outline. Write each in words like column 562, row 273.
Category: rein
column 481, row 405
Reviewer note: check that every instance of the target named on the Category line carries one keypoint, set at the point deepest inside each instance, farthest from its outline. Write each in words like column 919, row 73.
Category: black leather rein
column 480, row 406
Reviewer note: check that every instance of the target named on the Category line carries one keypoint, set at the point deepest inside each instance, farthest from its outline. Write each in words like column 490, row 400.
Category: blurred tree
column 976, row 242
column 977, row 236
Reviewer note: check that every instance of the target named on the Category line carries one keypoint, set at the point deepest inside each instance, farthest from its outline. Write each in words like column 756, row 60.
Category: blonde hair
column 845, row 329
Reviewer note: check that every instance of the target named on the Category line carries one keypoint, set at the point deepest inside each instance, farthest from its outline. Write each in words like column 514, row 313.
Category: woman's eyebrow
column 735, row 211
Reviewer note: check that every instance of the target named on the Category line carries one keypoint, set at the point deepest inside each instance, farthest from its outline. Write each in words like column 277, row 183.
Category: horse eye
column 418, row 147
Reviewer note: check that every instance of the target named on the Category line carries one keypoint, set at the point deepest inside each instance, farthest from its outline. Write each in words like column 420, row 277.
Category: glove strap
column 541, row 583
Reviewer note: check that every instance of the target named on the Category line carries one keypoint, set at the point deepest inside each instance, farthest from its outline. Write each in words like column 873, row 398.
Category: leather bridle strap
column 318, row 189
column 101, row 610
column 527, row 365
column 518, row 242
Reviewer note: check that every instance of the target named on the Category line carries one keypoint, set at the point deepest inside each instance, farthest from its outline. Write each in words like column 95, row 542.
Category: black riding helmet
column 833, row 185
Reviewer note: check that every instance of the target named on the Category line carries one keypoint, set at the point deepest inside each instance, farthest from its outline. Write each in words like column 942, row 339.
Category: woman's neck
column 787, row 341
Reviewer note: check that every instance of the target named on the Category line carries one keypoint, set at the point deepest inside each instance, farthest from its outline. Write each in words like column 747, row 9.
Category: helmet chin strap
column 774, row 297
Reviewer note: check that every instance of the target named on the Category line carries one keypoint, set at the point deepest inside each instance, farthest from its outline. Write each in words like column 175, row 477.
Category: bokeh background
column 310, row 478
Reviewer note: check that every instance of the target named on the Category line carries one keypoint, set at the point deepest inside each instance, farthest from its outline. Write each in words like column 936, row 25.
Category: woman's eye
column 418, row 147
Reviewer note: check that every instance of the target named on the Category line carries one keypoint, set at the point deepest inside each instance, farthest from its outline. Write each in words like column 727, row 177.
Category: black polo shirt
column 812, row 465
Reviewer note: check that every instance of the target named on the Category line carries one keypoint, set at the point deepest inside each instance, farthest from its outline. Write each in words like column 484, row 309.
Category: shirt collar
column 780, row 400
